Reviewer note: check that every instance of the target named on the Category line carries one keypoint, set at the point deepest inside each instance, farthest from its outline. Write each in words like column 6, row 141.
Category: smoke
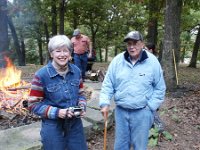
column 2, row 62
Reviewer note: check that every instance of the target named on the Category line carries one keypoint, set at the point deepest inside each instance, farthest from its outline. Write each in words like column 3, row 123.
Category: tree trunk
column 21, row 60
column 153, row 22
column 115, row 51
column 93, row 31
column 54, row 17
column 171, row 42
column 62, row 15
column 106, row 44
column 3, row 32
column 193, row 60
column 39, row 40
column 23, row 57
column 106, row 53
column 75, row 19
column 160, row 52
column 47, row 41
column 100, row 54
column 182, row 55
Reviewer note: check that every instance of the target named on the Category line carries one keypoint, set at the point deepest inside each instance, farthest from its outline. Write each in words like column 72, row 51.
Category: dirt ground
column 180, row 113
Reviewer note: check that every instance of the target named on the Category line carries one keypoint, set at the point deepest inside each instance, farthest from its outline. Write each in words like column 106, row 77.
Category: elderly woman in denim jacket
column 56, row 87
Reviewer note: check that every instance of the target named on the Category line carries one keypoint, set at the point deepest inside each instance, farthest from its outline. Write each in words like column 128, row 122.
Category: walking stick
column 105, row 131
column 175, row 66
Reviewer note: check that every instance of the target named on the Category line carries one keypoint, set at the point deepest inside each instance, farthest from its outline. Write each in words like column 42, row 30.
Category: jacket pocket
column 75, row 88
column 75, row 83
column 53, row 88
column 54, row 92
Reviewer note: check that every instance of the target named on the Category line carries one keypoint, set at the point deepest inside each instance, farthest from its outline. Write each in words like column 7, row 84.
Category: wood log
column 7, row 115
column 20, row 88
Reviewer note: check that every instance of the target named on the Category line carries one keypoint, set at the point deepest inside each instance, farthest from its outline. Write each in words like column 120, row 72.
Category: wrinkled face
column 134, row 48
column 61, row 56
column 78, row 36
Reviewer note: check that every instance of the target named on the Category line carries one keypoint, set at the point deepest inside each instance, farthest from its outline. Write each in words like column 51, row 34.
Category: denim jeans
column 132, row 128
column 57, row 135
column 81, row 62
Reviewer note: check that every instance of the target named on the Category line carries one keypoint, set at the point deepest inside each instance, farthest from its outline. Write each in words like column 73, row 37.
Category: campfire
column 13, row 90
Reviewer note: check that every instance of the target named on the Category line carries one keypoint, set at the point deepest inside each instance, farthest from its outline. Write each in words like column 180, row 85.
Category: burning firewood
column 7, row 115
column 26, row 87
column 13, row 90
column 19, row 88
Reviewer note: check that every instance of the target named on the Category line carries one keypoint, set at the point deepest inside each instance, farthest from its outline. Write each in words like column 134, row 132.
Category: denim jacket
column 55, row 91
column 136, row 85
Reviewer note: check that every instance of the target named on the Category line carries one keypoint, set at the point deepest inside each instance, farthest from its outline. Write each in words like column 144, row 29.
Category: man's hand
column 90, row 55
column 104, row 111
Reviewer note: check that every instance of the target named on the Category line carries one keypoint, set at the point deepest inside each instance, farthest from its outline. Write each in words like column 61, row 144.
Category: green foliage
column 188, row 22
column 163, row 111
column 32, row 53
column 32, row 57
column 167, row 136
column 96, row 127
column 153, row 142
column 154, row 136
column 153, row 133
column 175, row 109
column 176, row 118
column 106, row 22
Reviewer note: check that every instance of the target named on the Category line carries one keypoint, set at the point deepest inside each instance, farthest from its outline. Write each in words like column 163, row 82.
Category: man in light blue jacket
column 135, row 79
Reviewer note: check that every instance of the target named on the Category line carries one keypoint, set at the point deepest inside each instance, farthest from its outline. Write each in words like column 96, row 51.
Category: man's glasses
column 133, row 43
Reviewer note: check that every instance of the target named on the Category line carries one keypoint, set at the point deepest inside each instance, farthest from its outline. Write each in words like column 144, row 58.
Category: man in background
column 151, row 48
column 82, row 46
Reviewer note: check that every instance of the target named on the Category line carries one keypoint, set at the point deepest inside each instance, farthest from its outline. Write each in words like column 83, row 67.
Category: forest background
column 27, row 25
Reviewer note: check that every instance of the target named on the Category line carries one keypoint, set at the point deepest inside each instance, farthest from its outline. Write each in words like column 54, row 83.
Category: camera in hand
column 76, row 110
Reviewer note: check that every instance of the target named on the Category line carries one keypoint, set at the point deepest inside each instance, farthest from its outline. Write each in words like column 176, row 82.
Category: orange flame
column 10, row 78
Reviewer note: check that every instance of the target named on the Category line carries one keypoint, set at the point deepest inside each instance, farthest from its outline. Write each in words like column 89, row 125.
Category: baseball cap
column 133, row 35
column 76, row 32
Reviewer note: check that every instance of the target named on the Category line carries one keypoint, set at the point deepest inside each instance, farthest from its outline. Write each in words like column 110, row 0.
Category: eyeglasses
column 62, row 51
column 133, row 43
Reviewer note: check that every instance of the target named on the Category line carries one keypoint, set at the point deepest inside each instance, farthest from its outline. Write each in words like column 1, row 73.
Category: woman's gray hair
column 58, row 41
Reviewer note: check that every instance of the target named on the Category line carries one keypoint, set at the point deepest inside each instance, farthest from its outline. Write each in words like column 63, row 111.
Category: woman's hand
column 62, row 113
column 83, row 113
column 65, row 113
